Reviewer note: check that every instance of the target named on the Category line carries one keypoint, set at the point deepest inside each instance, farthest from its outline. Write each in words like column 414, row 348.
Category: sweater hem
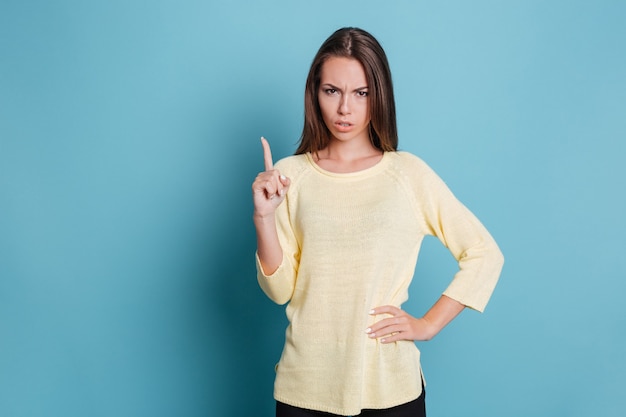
column 348, row 411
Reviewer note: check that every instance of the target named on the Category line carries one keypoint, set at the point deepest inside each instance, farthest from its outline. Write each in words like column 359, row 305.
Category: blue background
column 129, row 138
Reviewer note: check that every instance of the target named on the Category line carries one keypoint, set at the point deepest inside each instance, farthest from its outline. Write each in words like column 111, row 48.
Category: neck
column 343, row 157
column 348, row 151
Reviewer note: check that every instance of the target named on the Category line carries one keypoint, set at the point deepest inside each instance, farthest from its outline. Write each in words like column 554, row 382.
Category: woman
column 339, row 226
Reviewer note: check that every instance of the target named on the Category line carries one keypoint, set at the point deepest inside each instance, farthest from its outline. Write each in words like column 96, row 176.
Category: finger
column 267, row 154
column 284, row 182
column 271, row 184
column 276, row 187
column 382, row 327
column 264, row 183
column 396, row 337
column 270, row 189
column 387, row 332
column 394, row 311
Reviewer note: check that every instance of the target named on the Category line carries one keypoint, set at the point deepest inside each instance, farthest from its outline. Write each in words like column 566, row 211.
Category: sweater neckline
column 374, row 169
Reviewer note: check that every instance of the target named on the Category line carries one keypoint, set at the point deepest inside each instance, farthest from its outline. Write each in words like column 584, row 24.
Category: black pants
column 415, row 408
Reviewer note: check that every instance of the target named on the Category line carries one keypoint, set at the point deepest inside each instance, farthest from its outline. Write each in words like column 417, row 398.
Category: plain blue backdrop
column 129, row 138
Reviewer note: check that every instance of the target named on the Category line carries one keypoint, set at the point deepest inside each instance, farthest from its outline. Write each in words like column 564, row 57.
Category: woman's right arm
column 268, row 192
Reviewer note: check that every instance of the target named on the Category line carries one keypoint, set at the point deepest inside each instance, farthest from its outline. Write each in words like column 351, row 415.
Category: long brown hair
column 360, row 45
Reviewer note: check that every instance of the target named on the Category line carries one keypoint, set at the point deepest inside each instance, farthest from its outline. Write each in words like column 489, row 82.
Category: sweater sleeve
column 479, row 258
column 279, row 285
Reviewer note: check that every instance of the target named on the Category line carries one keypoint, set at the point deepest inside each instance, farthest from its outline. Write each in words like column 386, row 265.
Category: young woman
column 339, row 227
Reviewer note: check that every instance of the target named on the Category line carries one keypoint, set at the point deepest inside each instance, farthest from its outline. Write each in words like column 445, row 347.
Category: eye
column 362, row 93
column 330, row 91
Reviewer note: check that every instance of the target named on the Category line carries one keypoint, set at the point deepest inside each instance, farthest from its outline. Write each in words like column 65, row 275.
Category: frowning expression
column 343, row 99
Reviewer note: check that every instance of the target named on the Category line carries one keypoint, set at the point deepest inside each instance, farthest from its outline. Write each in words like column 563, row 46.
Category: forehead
column 343, row 71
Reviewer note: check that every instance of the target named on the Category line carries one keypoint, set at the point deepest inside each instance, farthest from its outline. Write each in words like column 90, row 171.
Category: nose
column 344, row 104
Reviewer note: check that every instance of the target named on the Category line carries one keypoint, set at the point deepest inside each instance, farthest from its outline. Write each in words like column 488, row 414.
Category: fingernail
column 282, row 177
column 372, row 311
column 368, row 330
column 280, row 192
column 383, row 340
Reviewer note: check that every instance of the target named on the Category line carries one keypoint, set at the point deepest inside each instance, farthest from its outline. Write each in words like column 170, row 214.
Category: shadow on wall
column 244, row 333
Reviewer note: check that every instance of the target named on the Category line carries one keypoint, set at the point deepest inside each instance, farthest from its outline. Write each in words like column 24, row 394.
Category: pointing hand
column 269, row 187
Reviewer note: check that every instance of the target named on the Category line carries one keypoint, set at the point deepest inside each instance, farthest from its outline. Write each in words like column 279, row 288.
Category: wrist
column 263, row 218
column 429, row 329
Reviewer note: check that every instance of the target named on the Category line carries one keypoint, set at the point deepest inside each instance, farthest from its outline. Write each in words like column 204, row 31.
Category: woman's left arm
column 478, row 256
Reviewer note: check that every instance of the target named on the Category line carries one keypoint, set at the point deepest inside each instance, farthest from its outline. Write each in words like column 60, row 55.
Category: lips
column 343, row 126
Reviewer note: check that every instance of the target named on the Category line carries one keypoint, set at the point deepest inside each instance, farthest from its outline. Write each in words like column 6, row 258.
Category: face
column 343, row 99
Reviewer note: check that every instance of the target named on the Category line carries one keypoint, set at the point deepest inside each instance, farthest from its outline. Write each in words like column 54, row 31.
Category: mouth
column 343, row 124
column 343, row 127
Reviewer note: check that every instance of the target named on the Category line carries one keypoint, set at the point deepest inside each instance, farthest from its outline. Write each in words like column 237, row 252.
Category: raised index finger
column 267, row 154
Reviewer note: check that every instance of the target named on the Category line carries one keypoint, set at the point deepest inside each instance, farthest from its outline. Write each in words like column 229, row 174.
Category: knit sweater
column 350, row 243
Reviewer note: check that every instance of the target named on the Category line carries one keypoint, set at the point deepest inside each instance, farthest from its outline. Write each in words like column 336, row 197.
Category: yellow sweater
column 350, row 243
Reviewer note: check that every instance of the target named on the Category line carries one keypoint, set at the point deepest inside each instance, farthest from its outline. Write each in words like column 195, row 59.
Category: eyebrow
column 334, row 87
